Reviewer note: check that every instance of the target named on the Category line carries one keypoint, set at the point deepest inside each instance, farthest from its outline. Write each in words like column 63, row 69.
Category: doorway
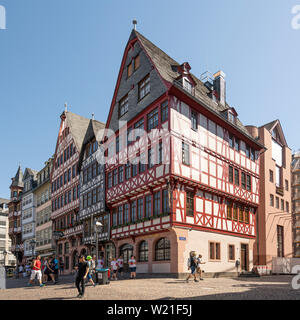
column 126, row 251
column 244, row 257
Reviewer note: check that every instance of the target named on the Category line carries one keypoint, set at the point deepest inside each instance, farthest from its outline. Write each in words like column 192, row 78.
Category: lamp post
column 32, row 244
column 4, row 255
column 98, row 227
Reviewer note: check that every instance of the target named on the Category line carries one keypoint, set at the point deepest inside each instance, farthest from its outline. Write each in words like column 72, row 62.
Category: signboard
column 2, row 278
column 182, row 238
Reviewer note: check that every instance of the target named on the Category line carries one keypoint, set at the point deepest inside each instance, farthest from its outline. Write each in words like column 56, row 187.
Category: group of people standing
column 117, row 267
column 194, row 264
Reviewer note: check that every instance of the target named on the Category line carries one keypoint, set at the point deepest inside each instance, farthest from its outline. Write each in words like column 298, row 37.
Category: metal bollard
column 2, row 278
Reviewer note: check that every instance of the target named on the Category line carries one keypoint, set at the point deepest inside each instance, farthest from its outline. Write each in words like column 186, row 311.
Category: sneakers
column 79, row 296
column 42, row 285
column 196, row 280
column 201, row 279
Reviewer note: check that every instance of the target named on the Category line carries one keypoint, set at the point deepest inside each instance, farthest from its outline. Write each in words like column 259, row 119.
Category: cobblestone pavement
column 266, row 287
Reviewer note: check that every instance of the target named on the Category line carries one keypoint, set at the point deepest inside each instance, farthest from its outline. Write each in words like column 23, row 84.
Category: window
column 114, row 222
column 287, row 206
column 140, row 208
column 142, row 163
column 280, row 245
column 277, row 202
column 94, row 192
column 185, row 154
column 127, row 170
column 133, row 211
column 152, row 119
column 235, row 212
column 139, row 128
column 230, row 174
column 164, row 111
column 187, row 85
column 189, row 204
column 126, row 213
column 229, row 210
column 129, row 70
column 89, row 199
column 117, row 144
column 236, row 177
column 143, row 251
column 231, row 143
column 144, row 87
column 243, row 180
column 248, row 183
column 271, row 176
column 148, row 206
column 156, row 203
column 247, row 151
column 160, row 153
column 236, row 144
column 162, row 250
column 165, row 201
column 214, row 251
column 123, row 106
column 134, row 167
column 271, row 200
column 121, row 174
column 194, row 120
column 115, row 177
column 286, row 185
column 136, row 62
column 120, row 215
column 247, row 215
column 282, row 204
column 109, row 180
column 241, row 214
column 231, row 252
column 150, row 158
column 94, row 170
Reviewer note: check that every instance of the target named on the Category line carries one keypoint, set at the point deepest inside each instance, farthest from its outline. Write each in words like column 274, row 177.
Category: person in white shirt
column 132, row 267
column 121, row 265
column 199, row 270
column 114, row 268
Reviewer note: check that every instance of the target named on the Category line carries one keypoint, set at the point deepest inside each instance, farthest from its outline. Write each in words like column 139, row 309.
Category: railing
column 180, row 84
column 279, row 190
column 73, row 230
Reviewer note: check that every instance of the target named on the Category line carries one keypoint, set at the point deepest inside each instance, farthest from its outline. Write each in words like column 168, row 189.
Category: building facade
column 65, row 190
column 15, row 216
column 182, row 172
column 7, row 258
column 274, row 218
column 92, row 192
column 44, row 243
column 29, row 213
column 296, row 203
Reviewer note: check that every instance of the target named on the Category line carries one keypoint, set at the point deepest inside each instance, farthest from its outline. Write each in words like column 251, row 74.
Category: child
column 132, row 267
column 114, row 268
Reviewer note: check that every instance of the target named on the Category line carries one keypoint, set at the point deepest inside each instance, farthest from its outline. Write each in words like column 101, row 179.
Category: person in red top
column 36, row 271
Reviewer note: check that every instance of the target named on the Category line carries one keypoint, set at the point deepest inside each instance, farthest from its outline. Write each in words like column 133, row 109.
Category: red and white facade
column 202, row 192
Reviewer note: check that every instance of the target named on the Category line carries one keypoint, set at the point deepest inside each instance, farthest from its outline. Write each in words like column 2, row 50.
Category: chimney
column 220, row 86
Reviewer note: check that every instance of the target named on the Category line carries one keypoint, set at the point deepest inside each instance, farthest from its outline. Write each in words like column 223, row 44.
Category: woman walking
column 132, row 267
column 199, row 270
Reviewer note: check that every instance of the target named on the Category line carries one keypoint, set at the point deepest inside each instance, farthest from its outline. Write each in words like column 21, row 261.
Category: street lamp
column 4, row 255
column 98, row 227
column 32, row 244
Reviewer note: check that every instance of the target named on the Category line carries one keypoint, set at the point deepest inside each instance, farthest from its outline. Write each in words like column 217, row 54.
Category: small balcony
column 280, row 191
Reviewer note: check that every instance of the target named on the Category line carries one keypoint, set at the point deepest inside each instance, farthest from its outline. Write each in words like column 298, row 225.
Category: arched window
column 143, row 251
column 162, row 250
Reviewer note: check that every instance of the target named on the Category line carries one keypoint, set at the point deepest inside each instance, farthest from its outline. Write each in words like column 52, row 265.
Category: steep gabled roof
column 17, row 181
column 270, row 127
column 167, row 68
column 95, row 129
column 30, row 172
column 78, row 126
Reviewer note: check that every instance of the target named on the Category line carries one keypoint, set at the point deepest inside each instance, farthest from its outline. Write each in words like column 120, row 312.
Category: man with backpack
column 192, row 265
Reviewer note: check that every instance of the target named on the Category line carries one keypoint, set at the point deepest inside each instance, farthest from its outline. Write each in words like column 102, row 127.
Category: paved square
column 267, row 287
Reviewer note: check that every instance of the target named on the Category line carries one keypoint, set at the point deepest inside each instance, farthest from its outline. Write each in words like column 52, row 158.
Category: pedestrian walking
column 199, row 269
column 237, row 265
column 121, row 265
column 114, row 268
column 36, row 271
column 49, row 272
column 89, row 275
column 61, row 267
column 192, row 265
column 132, row 267
column 82, row 272
column 54, row 267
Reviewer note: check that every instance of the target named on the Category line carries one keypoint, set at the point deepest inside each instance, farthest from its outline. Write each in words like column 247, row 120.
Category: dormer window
column 187, row 85
column 231, row 116
column 185, row 79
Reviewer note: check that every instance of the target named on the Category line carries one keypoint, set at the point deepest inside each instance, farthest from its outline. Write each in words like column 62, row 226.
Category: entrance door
column 126, row 251
column 244, row 257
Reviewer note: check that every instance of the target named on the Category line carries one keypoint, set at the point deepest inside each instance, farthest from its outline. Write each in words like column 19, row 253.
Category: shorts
column 89, row 276
column 36, row 273
column 121, row 269
column 115, row 271
column 132, row 269
column 193, row 270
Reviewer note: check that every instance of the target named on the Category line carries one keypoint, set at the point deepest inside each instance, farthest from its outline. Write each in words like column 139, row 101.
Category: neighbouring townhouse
column 29, row 214
column 15, row 216
column 43, row 228
column 274, row 217
column 92, row 193
column 296, row 203
column 65, row 190
column 6, row 256
column 182, row 172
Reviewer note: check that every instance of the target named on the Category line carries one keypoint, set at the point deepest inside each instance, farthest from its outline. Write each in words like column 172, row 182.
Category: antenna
column 93, row 116
column 134, row 23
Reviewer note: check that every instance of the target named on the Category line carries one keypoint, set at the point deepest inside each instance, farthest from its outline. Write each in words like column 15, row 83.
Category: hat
column 88, row 258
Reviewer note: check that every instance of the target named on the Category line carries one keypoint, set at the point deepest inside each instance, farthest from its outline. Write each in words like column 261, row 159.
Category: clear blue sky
column 70, row 51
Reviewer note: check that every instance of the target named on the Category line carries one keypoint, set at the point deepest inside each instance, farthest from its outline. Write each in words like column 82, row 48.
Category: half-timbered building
column 65, row 190
column 182, row 172
column 92, row 191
